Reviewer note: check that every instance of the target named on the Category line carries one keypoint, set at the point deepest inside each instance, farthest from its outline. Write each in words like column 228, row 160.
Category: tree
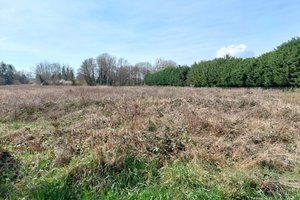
column 7, row 72
column 108, row 70
column 2, row 73
column 122, row 72
column 8, row 75
column 143, row 68
column 20, row 78
column 287, row 60
column 106, row 65
column 174, row 76
column 48, row 73
column 64, row 73
column 161, row 63
column 88, row 71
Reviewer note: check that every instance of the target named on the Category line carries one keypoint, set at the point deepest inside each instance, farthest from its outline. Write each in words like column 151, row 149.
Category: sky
column 186, row 31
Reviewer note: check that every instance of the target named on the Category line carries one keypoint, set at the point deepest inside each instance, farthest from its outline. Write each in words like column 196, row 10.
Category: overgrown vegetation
column 278, row 68
column 148, row 143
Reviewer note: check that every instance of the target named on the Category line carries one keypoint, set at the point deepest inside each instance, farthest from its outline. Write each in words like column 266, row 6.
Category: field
column 149, row 143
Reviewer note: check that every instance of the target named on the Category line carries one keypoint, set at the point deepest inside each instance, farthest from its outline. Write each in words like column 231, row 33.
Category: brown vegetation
column 249, row 130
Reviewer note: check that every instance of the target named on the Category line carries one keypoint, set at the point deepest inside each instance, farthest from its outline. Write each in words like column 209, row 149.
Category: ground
column 149, row 143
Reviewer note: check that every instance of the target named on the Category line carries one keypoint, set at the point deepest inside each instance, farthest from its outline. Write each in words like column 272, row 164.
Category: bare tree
column 88, row 71
column 108, row 70
column 123, row 76
column 123, row 72
column 48, row 73
column 20, row 78
column 143, row 68
column 161, row 63
column 106, row 65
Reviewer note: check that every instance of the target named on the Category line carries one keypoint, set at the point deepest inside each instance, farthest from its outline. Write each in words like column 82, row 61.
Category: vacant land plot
column 149, row 143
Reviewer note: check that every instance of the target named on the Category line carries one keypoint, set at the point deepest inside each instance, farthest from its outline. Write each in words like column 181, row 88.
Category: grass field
column 149, row 143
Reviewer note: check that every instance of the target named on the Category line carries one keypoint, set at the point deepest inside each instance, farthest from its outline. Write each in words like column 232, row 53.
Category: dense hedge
column 278, row 68
column 174, row 76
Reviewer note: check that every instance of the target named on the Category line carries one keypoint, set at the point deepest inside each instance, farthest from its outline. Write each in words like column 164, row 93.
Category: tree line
column 105, row 69
column 108, row 70
column 278, row 68
column 9, row 75
column 54, row 74
column 170, row 75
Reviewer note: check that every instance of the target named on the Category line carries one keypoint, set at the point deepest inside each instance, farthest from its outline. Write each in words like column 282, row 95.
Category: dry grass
column 248, row 130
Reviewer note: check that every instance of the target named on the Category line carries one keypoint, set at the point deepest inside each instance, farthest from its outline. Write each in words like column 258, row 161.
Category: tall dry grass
column 248, row 130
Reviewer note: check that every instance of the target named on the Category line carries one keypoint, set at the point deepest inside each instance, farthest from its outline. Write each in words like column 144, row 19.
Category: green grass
column 131, row 178
column 16, row 125
column 136, row 178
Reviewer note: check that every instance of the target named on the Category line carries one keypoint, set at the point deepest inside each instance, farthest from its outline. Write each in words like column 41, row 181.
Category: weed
column 148, row 143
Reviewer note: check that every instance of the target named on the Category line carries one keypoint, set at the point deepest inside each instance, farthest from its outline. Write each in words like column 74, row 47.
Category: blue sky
column 69, row 31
